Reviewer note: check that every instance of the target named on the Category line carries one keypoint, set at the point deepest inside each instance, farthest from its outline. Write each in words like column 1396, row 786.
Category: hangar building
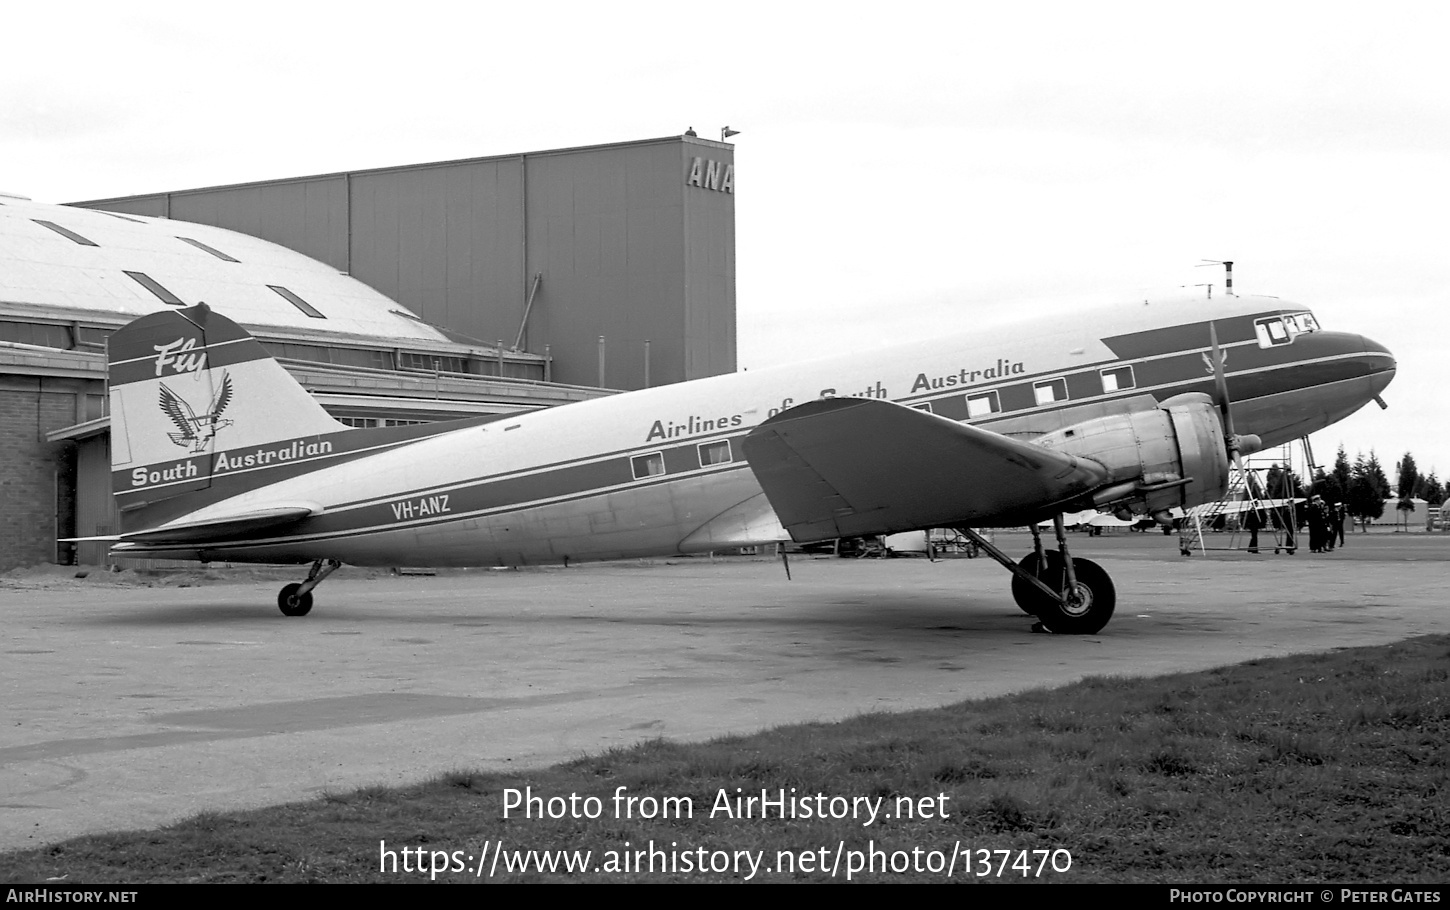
column 549, row 252
column 69, row 277
column 508, row 270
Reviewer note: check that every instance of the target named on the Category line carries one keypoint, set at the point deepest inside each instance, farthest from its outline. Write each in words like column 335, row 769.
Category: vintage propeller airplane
column 1125, row 408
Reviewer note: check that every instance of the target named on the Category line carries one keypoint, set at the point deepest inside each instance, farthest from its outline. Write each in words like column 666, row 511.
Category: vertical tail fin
column 192, row 396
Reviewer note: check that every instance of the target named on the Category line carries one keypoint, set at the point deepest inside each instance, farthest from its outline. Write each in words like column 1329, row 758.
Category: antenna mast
column 1228, row 274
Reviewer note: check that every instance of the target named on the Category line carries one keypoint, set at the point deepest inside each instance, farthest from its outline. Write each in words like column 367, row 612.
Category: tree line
column 1363, row 486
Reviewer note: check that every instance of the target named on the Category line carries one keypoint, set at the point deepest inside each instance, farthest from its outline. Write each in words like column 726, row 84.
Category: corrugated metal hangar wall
column 632, row 241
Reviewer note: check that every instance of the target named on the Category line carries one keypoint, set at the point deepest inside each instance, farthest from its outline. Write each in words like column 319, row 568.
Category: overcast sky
column 902, row 169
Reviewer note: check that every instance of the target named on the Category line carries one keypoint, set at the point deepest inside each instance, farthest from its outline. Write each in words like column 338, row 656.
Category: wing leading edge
column 843, row 467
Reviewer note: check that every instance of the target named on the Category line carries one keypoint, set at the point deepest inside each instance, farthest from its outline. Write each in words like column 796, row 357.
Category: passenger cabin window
column 1117, row 379
column 1050, row 391
column 713, row 453
column 982, row 404
column 647, row 465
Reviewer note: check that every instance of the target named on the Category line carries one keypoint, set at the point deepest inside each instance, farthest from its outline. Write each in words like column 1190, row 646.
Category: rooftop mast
column 1228, row 274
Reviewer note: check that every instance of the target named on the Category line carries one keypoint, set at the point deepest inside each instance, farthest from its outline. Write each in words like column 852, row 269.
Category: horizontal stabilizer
column 844, row 467
column 222, row 527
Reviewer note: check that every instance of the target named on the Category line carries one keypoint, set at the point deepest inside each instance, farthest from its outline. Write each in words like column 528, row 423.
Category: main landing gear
column 1069, row 596
column 296, row 599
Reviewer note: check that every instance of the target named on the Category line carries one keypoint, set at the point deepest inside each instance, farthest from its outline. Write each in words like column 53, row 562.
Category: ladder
column 1245, row 493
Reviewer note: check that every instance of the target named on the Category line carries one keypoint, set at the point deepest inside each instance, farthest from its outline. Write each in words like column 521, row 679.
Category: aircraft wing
column 842, row 467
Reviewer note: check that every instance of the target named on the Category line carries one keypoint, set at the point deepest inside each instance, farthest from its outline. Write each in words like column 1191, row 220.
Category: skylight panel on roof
column 66, row 232
column 155, row 287
column 298, row 302
column 213, row 250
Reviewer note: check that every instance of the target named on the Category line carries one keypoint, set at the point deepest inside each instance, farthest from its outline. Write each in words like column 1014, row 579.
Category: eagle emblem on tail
column 196, row 431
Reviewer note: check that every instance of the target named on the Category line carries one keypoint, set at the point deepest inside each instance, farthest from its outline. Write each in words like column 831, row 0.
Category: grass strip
column 1322, row 768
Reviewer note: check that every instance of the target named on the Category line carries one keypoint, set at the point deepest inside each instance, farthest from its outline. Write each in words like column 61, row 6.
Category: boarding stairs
column 1245, row 493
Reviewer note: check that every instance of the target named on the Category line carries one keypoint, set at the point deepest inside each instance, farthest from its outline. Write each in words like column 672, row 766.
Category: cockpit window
column 1300, row 323
column 1271, row 332
column 1282, row 329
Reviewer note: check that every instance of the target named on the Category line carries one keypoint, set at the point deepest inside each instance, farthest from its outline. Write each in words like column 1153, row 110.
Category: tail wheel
column 1028, row 597
column 293, row 604
column 1088, row 608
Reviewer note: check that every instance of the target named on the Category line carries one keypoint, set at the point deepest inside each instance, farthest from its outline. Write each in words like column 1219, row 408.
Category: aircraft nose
column 1381, row 363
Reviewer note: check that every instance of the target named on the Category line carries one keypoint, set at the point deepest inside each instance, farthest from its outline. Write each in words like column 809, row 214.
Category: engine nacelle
column 1173, row 455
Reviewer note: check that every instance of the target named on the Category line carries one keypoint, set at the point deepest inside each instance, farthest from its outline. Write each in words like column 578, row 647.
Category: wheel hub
column 1079, row 601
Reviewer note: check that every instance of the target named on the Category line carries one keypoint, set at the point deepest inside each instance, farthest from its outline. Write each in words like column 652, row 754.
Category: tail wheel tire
column 1091, row 606
column 293, row 604
column 1028, row 597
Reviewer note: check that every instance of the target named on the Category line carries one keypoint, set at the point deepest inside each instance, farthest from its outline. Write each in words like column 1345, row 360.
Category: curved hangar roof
column 85, row 264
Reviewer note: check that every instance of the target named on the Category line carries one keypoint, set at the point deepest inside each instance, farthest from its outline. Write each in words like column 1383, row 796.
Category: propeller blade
column 1237, row 445
column 1220, row 385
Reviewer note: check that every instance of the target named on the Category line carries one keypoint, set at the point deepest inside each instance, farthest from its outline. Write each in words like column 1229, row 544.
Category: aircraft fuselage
column 661, row 470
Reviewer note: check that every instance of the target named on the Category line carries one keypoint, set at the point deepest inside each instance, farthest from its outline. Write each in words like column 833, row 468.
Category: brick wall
column 30, row 407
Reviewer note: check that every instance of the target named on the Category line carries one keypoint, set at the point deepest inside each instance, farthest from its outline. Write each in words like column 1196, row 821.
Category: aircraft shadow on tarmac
column 885, row 614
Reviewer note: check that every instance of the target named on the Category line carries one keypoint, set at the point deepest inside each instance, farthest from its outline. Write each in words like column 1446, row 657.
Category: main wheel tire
column 1027, row 595
column 1087, row 613
column 293, row 604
